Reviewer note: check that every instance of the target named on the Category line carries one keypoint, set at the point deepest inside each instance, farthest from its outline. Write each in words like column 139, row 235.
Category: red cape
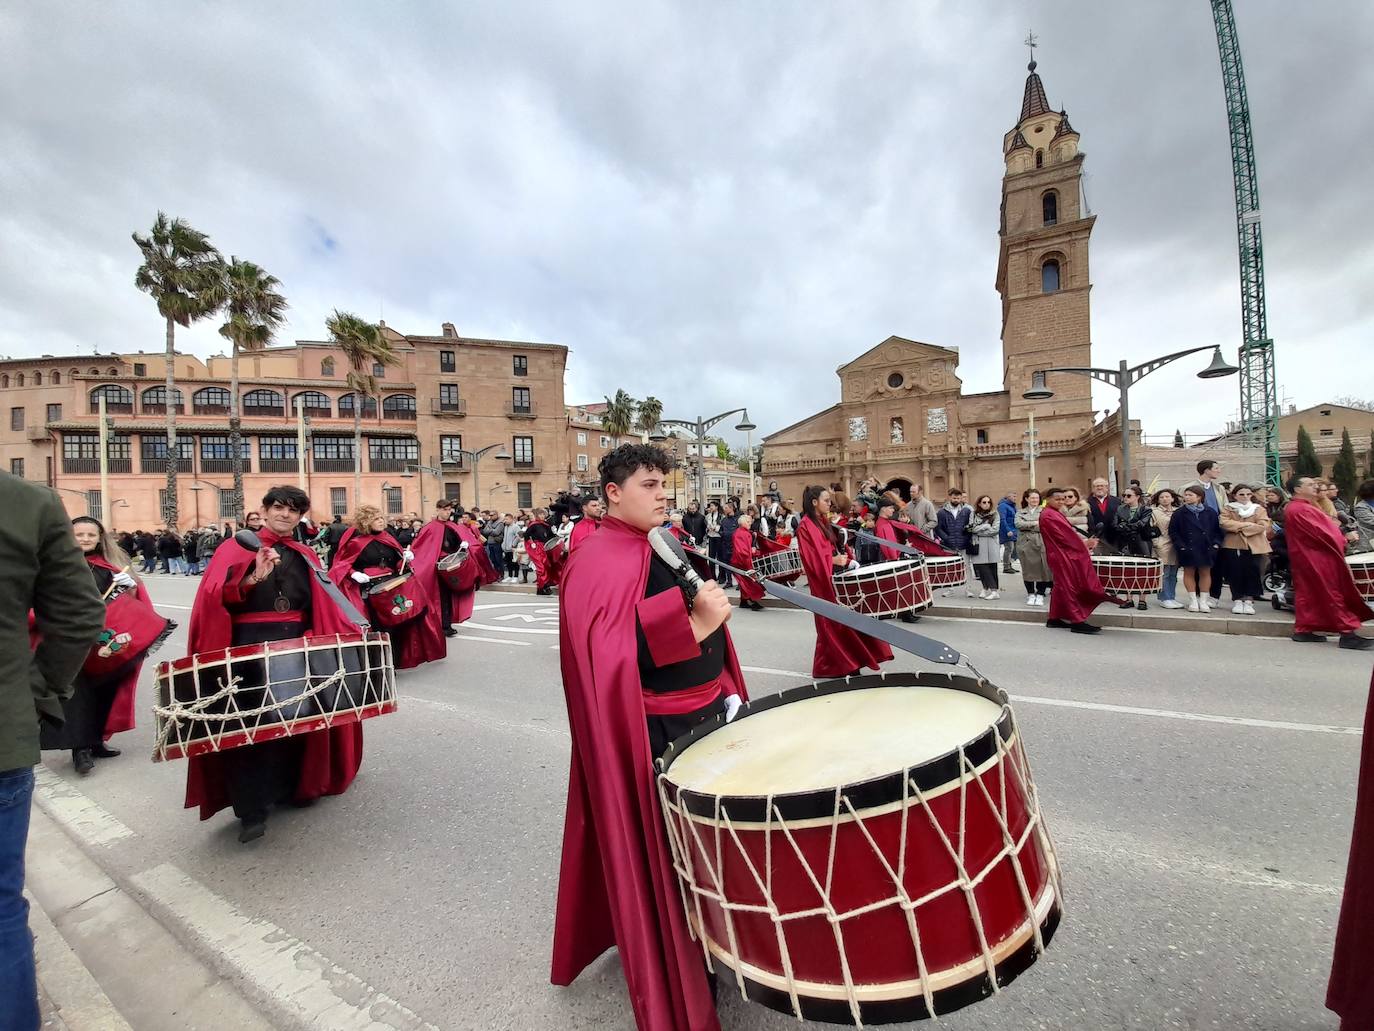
column 582, row 529
column 1324, row 593
column 420, row 640
column 839, row 650
column 429, row 549
column 616, row 883
column 332, row 756
column 121, row 716
column 1351, row 989
column 1077, row 590
column 904, row 533
column 743, row 558
column 546, row 571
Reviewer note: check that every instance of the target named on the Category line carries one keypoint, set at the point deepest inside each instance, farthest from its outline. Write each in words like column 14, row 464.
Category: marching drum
column 780, row 566
column 458, row 571
column 392, row 600
column 1362, row 569
column 222, row 699
column 946, row 571
column 863, row 851
column 1122, row 574
column 132, row 630
column 885, row 588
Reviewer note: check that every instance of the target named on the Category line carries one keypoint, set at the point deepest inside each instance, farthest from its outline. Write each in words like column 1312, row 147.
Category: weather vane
column 1030, row 42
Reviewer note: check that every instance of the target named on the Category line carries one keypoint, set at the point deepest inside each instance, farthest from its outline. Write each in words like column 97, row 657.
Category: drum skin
column 722, row 845
column 130, row 617
column 1126, row 575
column 945, row 571
column 1362, row 569
column 458, row 572
column 392, row 601
column 884, row 589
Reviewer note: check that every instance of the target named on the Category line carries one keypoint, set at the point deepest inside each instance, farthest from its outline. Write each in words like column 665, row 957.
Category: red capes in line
column 616, row 883
column 1350, row 991
column 582, row 529
column 839, row 650
column 1077, row 590
column 905, row 533
column 1325, row 597
column 546, row 568
column 419, row 640
column 332, row 756
column 121, row 716
column 743, row 558
column 429, row 549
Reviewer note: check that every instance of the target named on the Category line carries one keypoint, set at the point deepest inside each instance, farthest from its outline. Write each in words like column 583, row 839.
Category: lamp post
column 699, row 427
column 1123, row 378
column 413, row 469
column 501, row 455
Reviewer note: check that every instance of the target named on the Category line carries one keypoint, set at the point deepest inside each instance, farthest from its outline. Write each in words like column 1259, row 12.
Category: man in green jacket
column 42, row 569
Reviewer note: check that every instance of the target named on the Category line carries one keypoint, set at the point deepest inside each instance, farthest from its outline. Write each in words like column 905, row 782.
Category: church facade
column 903, row 416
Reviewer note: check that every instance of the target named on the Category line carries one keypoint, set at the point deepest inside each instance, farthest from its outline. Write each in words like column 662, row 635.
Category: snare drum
column 1362, row 569
column 222, row 699
column 780, row 566
column 458, row 571
column 946, row 571
column 885, row 588
column 393, row 599
column 863, row 851
column 133, row 628
column 1123, row 574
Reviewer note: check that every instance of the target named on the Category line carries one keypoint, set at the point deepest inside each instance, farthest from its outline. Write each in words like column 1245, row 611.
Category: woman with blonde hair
column 1075, row 510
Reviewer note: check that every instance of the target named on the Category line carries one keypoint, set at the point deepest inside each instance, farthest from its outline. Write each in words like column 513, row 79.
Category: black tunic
column 86, row 712
column 377, row 554
column 677, row 676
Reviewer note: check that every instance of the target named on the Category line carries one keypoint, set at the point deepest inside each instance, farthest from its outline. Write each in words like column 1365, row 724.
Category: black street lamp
column 699, row 427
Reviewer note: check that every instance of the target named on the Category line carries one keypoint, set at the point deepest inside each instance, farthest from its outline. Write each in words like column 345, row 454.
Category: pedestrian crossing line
column 491, row 640
column 280, row 968
column 79, row 815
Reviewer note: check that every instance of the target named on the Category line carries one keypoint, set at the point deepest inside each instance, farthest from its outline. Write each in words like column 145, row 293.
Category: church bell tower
column 1042, row 259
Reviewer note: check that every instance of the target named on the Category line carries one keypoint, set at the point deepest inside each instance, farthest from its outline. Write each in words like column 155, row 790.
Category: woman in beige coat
column 1075, row 510
column 1165, row 502
column 1246, row 525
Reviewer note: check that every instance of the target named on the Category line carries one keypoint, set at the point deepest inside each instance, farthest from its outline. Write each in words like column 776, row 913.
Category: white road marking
column 183, row 608
column 777, row 672
column 511, row 629
column 311, row 986
column 491, row 640
column 79, row 815
column 490, row 722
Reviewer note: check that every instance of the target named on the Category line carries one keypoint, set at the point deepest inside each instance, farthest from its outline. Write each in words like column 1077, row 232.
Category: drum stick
column 110, row 590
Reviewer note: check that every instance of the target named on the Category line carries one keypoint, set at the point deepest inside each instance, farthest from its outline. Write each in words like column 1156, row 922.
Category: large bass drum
column 1362, row 569
column 884, row 588
column 863, row 851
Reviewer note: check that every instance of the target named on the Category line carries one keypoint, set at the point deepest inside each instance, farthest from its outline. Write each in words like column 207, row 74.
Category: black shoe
column 103, row 752
column 1057, row 624
column 83, row 760
column 251, row 828
column 450, row 632
column 910, row 617
column 542, row 591
column 1128, row 604
column 756, row 606
column 303, row 803
column 1085, row 628
column 1140, row 605
column 1357, row 643
column 1309, row 638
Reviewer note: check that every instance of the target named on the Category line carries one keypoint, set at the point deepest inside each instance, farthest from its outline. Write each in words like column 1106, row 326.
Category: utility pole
column 105, row 517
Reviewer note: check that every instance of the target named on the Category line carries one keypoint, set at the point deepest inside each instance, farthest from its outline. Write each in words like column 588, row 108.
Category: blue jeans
column 18, row 985
column 1169, row 584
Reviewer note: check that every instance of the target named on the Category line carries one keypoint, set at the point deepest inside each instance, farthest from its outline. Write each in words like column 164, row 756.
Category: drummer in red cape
column 840, row 651
column 1325, row 597
column 640, row 667
column 587, row 525
column 1077, row 590
column 886, row 526
column 368, row 552
column 439, row 538
column 99, row 709
column 750, row 593
column 537, row 534
column 247, row 597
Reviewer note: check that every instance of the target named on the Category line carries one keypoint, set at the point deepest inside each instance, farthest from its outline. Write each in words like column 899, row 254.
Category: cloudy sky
column 716, row 203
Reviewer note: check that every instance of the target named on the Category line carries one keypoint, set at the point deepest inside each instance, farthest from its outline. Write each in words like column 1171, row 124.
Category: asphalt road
column 1202, row 858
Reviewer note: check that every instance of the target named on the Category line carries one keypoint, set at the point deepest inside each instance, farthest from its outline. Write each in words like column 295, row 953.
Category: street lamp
column 412, row 468
column 502, row 455
column 699, row 427
column 1123, row 378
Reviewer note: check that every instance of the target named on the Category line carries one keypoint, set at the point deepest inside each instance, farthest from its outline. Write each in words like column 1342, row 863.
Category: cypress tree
column 1306, row 462
column 1344, row 474
column 1178, row 438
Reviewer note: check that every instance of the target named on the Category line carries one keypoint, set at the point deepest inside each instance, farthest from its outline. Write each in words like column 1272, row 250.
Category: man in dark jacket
column 42, row 569
column 1102, row 518
column 729, row 523
column 694, row 522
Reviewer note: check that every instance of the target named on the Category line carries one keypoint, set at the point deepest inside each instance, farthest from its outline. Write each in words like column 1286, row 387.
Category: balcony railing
column 92, row 465
column 515, row 411
column 534, row 465
column 113, row 407
column 317, row 413
column 277, row 465
column 160, row 409
column 333, row 465
column 222, row 465
column 209, row 409
column 455, row 408
column 402, row 414
column 389, row 465
column 264, row 411
column 159, row 465
column 452, row 463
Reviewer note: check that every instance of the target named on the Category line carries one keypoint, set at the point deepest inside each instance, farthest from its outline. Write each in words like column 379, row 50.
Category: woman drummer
column 97, row 710
column 368, row 553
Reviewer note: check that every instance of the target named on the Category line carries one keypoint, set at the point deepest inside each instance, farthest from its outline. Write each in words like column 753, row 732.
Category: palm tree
column 619, row 415
column 364, row 346
column 650, row 412
column 179, row 271
column 254, row 311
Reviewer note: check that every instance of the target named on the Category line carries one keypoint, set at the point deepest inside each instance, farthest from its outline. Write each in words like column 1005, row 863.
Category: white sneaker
column 1249, row 608
column 1205, row 604
column 993, row 595
column 1193, row 606
column 1238, row 609
column 1171, row 604
column 1030, row 599
column 1040, row 599
column 983, row 594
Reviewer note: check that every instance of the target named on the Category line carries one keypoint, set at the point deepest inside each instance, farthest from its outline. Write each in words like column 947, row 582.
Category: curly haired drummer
column 640, row 666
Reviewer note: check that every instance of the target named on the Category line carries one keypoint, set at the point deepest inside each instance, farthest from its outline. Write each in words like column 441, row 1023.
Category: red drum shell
column 725, row 845
column 1362, row 569
column 1123, row 574
column 884, row 589
column 459, row 571
column 946, row 571
column 125, row 613
column 388, row 600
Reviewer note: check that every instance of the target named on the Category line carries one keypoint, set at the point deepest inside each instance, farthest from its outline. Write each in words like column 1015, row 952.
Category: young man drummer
column 247, row 597
column 640, row 667
column 1077, row 590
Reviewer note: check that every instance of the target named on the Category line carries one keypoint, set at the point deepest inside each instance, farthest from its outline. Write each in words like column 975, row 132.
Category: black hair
column 1154, row 498
column 619, row 465
column 290, row 497
column 1365, row 491
column 1204, row 465
column 1050, row 492
column 810, row 496
column 1025, row 495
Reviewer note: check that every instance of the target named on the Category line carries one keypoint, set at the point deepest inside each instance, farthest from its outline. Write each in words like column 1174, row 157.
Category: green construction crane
column 1259, row 404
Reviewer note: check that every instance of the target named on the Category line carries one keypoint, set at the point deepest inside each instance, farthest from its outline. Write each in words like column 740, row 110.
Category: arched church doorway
column 901, row 485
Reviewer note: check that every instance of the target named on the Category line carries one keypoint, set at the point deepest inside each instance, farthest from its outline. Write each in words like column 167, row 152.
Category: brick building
column 449, row 395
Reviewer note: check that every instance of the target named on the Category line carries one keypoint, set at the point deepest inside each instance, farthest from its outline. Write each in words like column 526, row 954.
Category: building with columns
column 902, row 414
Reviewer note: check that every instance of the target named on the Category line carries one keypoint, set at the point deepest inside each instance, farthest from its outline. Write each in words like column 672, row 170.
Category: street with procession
column 1199, row 788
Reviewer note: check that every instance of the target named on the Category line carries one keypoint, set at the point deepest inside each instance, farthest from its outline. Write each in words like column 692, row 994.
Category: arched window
column 95, row 372
column 117, row 398
column 346, row 405
column 210, row 401
column 72, row 373
column 1049, row 276
column 114, row 372
column 56, row 378
column 154, row 400
column 313, row 402
column 263, row 402
column 399, row 406
column 37, row 379
column 1049, row 205
column 326, row 366
column 1039, row 159
column 19, row 380
column 5, row 380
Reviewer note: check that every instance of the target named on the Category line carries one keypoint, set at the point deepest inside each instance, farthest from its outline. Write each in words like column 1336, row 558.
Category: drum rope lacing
column 1012, row 849
column 180, row 715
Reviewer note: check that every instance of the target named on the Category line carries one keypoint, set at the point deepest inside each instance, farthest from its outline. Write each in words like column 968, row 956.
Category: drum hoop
column 883, row 790
column 390, row 583
column 879, row 570
column 314, row 642
column 1364, row 558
